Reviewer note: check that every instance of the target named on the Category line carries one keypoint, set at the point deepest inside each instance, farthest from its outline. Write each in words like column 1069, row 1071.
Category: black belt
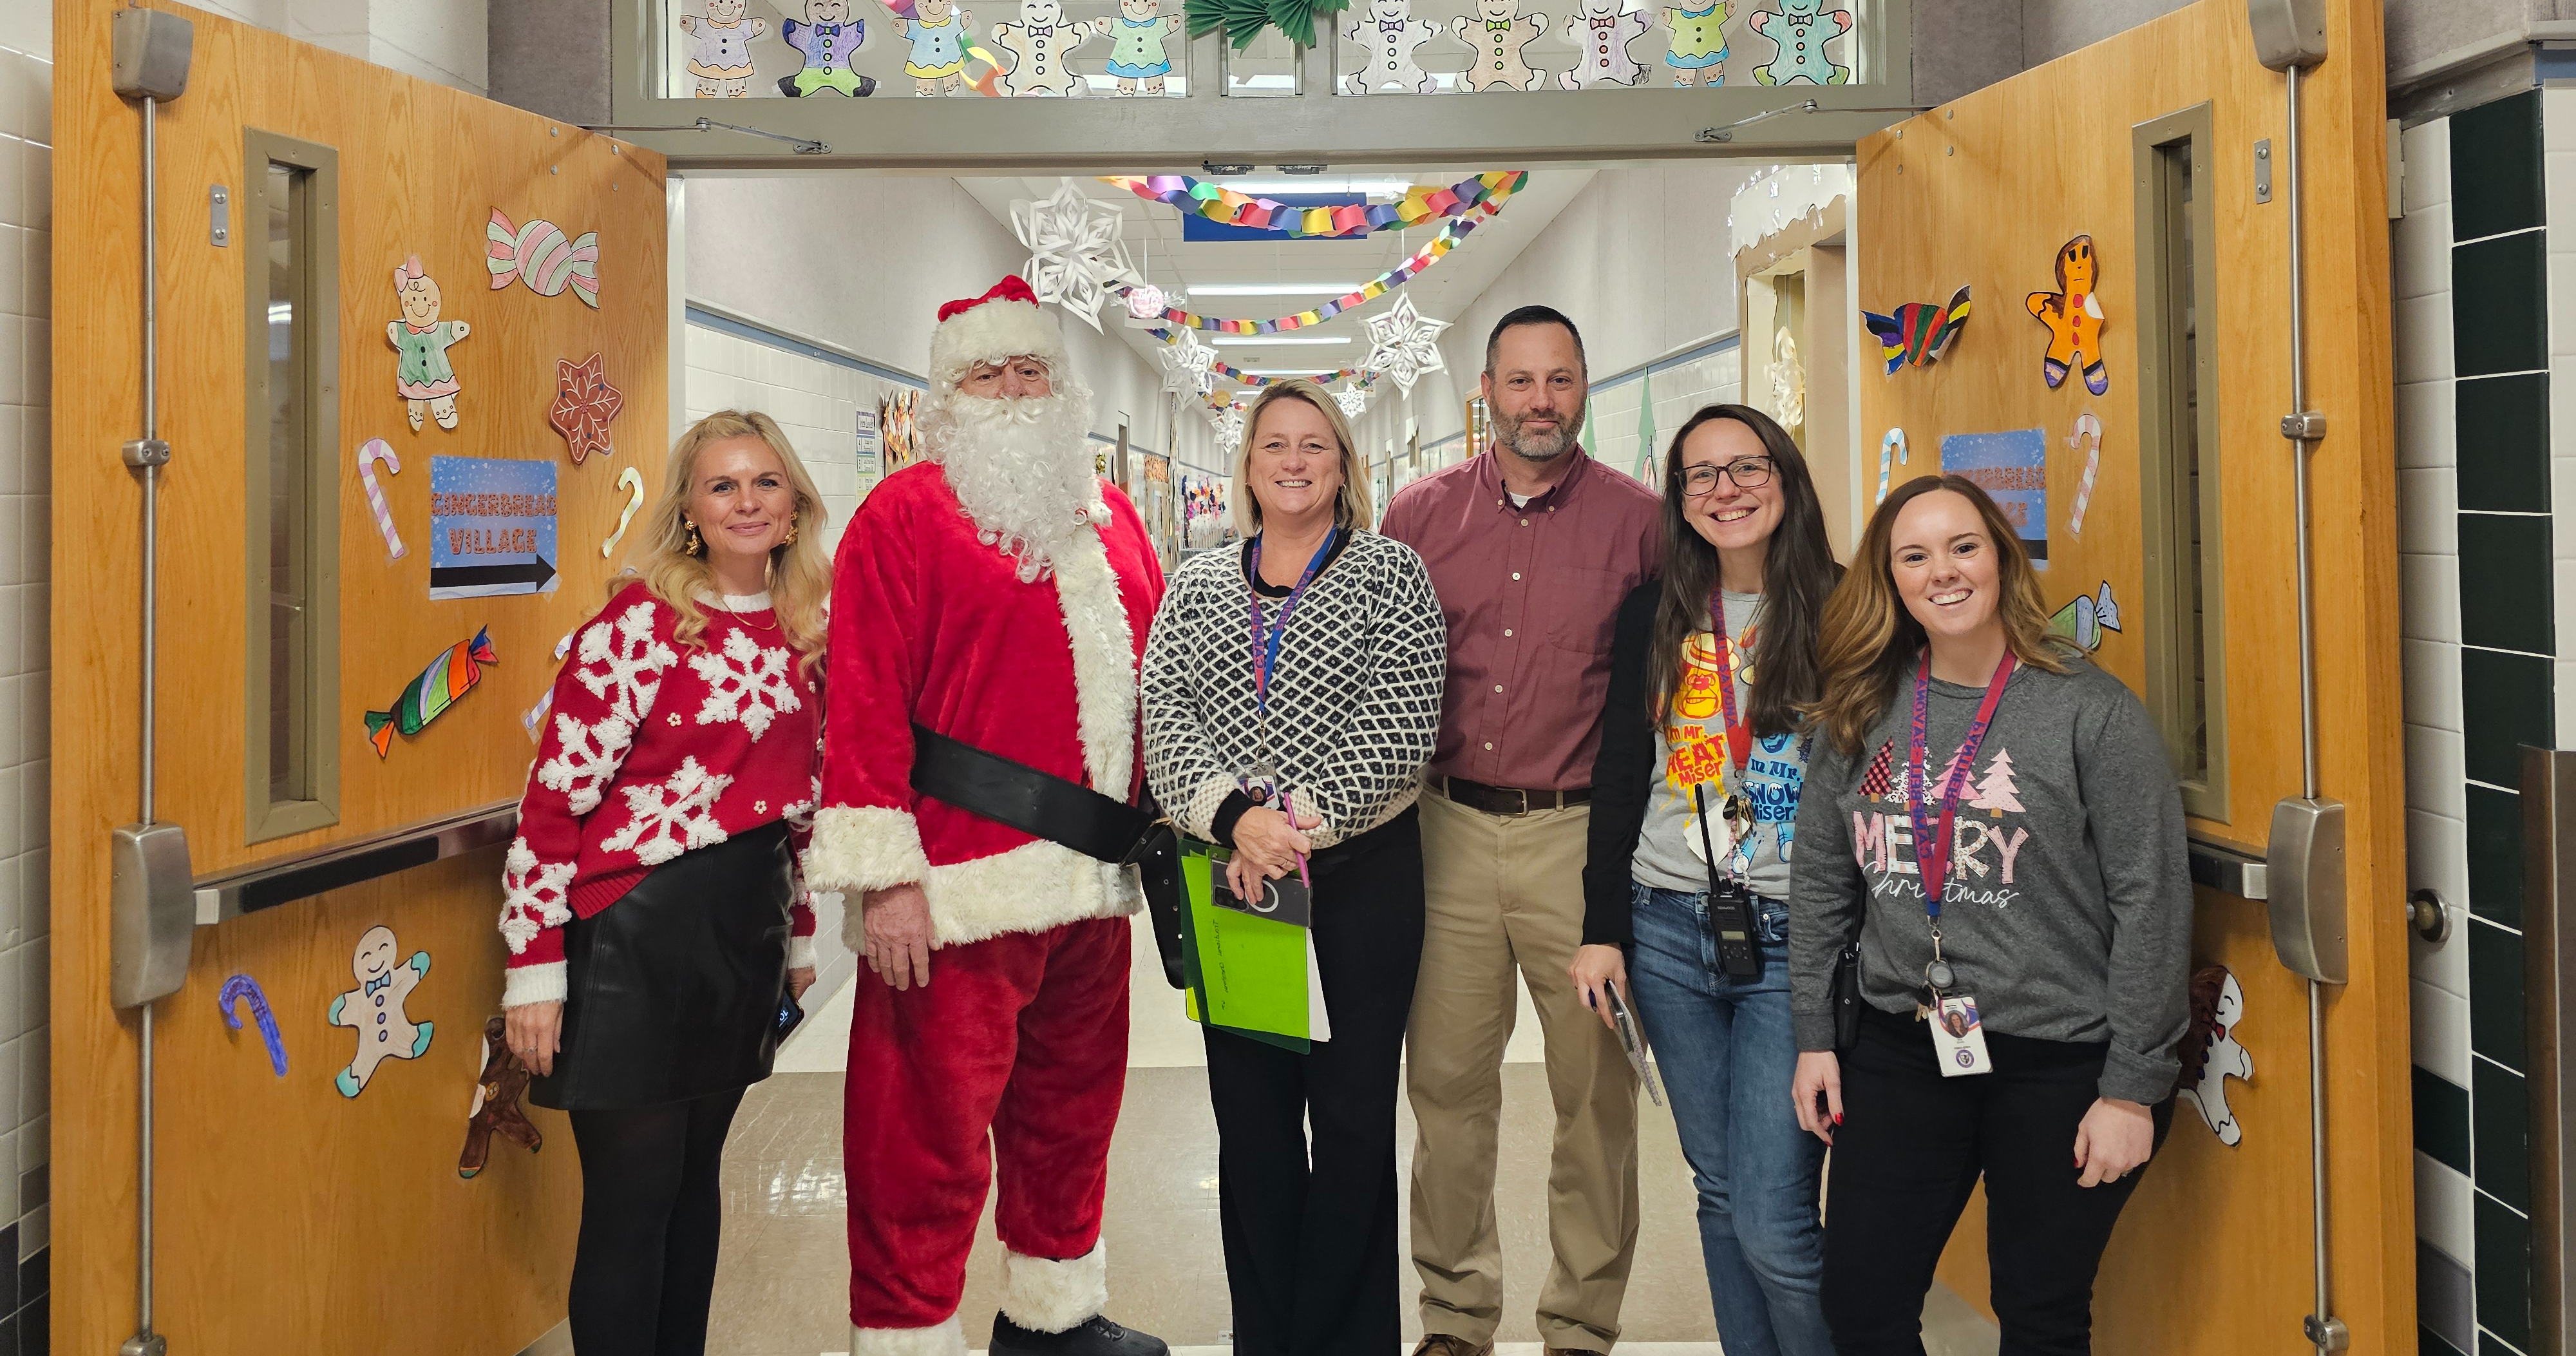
column 1047, row 806
column 1508, row 800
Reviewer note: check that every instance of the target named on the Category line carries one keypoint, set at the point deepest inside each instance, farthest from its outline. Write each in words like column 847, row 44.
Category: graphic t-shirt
column 1691, row 752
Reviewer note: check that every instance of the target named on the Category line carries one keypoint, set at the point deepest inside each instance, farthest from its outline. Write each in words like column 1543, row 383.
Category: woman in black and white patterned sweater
column 1292, row 700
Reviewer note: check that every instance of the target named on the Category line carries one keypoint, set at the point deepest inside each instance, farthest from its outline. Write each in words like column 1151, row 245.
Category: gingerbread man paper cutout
column 2073, row 315
column 2211, row 1053
column 1039, row 43
column 375, row 1009
column 1800, row 29
column 1498, row 35
column 1699, row 43
column 1600, row 34
column 496, row 1108
column 584, row 405
column 422, row 375
column 721, row 57
column 1390, row 33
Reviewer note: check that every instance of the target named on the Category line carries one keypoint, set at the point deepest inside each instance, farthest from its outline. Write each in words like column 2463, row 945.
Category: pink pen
column 1288, row 807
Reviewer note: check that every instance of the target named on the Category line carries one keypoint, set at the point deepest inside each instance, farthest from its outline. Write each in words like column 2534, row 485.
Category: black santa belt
column 1043, row 805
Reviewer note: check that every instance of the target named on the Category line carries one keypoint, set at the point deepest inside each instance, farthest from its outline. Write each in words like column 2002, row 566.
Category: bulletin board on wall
column 534, row 358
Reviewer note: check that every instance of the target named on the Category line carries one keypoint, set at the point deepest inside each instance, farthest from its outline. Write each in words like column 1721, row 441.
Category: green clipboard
column 1249, row 975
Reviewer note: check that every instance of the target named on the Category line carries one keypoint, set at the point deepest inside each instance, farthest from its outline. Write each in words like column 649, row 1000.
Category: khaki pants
column 1505, row 891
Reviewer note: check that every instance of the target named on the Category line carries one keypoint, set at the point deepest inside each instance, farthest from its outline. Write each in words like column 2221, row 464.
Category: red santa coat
column 931, row 623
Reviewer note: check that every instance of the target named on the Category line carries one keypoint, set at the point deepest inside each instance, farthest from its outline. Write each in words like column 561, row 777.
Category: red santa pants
column 1018, row 1048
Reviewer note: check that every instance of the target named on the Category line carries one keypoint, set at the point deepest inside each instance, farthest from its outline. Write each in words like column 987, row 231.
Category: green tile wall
column 2503, row 425
column 2496, row 168
column 2495, row 854
column 2501, row 1134
column 2504, row 586
column 2510, row 705
column 2495, row 993
column 2507, row 329
column 2504, row 1272
column 2442, row 1119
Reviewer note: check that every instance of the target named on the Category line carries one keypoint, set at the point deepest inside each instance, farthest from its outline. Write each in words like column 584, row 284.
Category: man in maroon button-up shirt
column 1530, row 546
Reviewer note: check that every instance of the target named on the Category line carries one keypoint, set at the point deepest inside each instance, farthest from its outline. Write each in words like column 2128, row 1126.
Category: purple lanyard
column 1931, row 845
column 1266, row 639
column 1738, row 738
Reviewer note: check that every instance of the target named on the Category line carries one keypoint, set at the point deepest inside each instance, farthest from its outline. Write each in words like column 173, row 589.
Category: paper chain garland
column 1178, row 358
column 1422, row 260
column 1420, row 204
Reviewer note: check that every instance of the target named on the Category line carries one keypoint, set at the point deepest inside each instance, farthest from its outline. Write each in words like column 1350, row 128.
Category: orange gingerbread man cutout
column 2073, row 315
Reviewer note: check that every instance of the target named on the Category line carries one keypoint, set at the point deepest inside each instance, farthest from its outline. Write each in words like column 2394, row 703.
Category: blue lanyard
column 1932, row 845
column 1266, row 638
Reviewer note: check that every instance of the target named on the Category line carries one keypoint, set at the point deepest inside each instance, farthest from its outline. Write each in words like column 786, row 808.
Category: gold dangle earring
column 791, row 533
column 694, row 546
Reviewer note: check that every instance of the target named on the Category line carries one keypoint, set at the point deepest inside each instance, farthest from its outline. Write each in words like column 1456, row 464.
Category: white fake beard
column 1022, row 468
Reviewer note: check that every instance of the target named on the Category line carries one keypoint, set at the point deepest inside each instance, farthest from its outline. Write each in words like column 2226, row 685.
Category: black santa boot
column 1094, row 1336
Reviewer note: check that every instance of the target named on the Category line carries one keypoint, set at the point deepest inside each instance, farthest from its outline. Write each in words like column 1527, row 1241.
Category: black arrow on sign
column 533, row 572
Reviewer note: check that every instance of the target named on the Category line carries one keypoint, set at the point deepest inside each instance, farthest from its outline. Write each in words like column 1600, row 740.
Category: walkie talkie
column 1730, row 906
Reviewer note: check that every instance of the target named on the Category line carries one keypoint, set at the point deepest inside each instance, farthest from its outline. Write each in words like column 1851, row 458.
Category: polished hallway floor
column 785, row 1272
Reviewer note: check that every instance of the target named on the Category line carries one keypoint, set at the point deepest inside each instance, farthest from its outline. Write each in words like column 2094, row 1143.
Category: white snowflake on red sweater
column 534, row 894
column 745, row 683
column 586, row 760
column 672, row 816
column 622, row 663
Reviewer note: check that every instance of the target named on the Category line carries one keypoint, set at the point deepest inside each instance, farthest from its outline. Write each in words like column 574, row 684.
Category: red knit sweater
column 655, row 748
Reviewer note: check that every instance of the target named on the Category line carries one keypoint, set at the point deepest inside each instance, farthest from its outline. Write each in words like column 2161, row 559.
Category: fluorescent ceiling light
column 1265, row 340
column 1320, row 183
column 1291, row 289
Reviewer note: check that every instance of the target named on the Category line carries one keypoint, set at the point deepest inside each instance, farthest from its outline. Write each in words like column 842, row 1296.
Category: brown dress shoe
column 1442, row 1344
column 1572, row 1351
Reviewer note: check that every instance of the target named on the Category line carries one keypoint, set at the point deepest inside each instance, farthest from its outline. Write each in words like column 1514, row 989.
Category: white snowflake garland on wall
column 1075, row 257
column 1404, row 344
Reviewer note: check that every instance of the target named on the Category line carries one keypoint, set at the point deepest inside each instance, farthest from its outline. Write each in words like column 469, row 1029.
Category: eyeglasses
column 1748, row 473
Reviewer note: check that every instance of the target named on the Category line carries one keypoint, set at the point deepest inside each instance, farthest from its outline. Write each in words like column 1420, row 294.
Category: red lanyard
column 1739, row 739
column 1931, row 845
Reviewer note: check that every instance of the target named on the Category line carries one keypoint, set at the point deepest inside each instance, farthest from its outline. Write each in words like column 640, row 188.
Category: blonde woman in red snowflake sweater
column 653, row 910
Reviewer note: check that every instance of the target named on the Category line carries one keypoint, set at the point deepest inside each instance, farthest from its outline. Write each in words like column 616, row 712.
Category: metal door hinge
column 2263, row 170
column 219, row 215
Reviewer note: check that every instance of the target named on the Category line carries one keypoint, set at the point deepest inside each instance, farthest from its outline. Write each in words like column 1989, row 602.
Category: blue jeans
column 1727, row 1058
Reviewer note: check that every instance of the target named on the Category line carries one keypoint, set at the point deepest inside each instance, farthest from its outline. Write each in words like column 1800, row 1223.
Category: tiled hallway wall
column 26, row 381
column 2484, row 575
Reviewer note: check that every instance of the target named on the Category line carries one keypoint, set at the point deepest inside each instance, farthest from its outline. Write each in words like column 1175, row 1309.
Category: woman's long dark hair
column 1798, row 575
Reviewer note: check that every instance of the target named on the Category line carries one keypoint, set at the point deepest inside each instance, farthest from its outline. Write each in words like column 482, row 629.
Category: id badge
column 1959, row 1037
column 1285, row 899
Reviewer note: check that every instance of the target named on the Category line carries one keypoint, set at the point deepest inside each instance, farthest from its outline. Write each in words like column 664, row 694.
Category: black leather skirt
column 672, row 992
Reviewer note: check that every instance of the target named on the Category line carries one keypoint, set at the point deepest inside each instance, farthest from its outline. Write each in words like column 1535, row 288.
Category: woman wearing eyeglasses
column 1703, row 752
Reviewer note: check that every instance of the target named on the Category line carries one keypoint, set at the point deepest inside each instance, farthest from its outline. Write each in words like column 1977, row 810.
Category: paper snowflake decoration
column 1185, row 365
column 1075, row 256
column 1146, row 304
column 584, row 405
column 1353, row 399
column 1403, row 344
column 1229, row 426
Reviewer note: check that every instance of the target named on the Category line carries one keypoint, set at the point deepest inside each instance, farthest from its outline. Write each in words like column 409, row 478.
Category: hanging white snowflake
column 671, row 817
column 1229, row 426
column 586, row 759
column 1185, row 365
column 1404, row 344
column 1353, row 399
column 621, row 663
column 746, row 683
column 1075, row 256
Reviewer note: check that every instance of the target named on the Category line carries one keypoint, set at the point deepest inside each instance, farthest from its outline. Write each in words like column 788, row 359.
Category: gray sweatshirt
column 2070, row 914
column 1669, row 853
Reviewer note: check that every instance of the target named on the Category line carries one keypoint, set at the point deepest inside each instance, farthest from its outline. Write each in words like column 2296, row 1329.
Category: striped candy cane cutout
column 372, row 451
column 631, row 481
column 1891, row 449
column 2088, row 436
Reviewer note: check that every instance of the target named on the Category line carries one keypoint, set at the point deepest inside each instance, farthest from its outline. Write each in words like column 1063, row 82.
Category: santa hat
column 1004, row 323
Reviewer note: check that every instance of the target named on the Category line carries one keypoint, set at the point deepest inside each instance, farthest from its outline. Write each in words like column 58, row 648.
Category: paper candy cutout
column 496, row 1108
column 539, row 255
column 1038, row 44
column 1145, row 302
column 422, row 375
column 370, row 452
column 241, row 987
column 1601, row 34
column 2073, row 315
column 1185, row 365
column 721, row 56
column 1403, row 344
column 2088, row 437
column 1390, row 33
column 584, row 405
column 1075, row 255
column 2084, row 620
column 1891, row 449
column 1919, row 332
column 632, row 481
column 1800, row 29
column 425, row 698
column 827, row 39
column 375, row 1008
column 1699, row 43
column 2211, row 1054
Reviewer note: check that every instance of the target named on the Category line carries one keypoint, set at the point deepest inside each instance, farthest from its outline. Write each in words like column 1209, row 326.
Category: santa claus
column 981, row 764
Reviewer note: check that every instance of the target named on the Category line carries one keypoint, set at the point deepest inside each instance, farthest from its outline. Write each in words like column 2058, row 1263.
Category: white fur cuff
column 1047, row 1296
column 939, row 1339
column 525, row 984
column 857, row 848
column 800, row 953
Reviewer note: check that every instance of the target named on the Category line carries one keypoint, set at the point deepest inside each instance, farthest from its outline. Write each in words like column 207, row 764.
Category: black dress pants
column 1310, row 1230
column 652, row 1209
column 1913, row 1144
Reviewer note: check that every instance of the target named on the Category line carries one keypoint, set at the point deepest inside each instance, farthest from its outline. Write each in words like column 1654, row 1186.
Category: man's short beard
column 1021, row 467
column 1540, row 447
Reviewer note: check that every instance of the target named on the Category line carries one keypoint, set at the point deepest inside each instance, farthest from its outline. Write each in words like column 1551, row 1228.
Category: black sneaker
column 1094, row 1336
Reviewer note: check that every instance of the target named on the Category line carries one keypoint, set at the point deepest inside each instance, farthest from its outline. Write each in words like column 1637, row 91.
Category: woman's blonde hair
column 800, row 579
column 1870, row 640
column 1350, row 507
